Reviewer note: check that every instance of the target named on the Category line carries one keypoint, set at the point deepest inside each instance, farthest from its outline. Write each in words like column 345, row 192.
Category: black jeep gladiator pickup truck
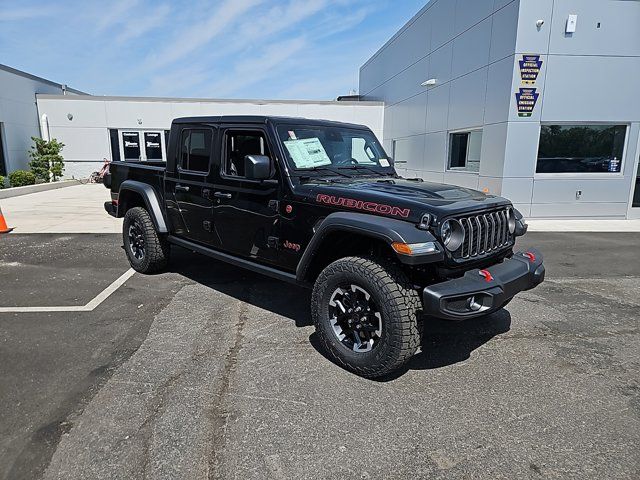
column 319, row 203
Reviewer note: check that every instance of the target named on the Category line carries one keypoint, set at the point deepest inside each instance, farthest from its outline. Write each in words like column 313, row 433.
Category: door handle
column 182, row 188
column 222, row 195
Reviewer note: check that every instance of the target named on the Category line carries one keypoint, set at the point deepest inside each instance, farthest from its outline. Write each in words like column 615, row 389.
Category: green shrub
column 1, row 182
column 46, row 160
column 20, row 178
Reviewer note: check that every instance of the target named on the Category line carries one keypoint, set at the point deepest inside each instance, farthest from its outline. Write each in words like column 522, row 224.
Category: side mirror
column 257, row 167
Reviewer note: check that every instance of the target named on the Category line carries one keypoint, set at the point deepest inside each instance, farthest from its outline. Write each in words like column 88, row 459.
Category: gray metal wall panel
column 563, row 190
column 407, row 83
column 440, row 63
column 435, row 152
column 521, row 149
column 573, row 210
column 502, row 3
column 586, row 88
column 499, row 91
column 494, row 140
column 467, row 99
column 442, row 15
column 618, row 34
column 471, row 49
column 504, row 31
column 438, row 110
column 518, row 190
column 532, row 39
column 470, row 12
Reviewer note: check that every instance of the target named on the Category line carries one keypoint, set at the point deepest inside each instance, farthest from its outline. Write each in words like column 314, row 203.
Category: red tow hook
column 530, row 256
column 486, row 274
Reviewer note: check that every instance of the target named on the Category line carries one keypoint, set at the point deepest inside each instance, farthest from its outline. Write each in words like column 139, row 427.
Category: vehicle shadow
column 443, row 343
column 281, row 298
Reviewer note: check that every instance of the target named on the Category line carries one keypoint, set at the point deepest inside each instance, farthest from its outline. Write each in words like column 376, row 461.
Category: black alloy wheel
column 355, row 318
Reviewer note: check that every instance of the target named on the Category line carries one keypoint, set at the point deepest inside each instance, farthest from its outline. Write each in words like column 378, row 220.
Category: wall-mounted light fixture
column 429, row 83
column 539, row 24
column 139, row 121
column 70, row 116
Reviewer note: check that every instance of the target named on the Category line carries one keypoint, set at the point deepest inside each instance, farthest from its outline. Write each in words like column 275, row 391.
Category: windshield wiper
column 364, row 167
column 327, row 169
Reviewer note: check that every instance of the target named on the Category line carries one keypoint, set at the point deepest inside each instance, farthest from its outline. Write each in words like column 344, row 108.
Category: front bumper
column 482, row 291
column 111, row 208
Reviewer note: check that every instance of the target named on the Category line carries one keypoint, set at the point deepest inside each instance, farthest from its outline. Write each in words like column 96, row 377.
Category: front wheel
column 147, row 251
column 366, row 315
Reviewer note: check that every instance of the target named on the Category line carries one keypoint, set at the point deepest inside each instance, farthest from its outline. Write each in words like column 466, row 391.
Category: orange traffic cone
column 3, row 224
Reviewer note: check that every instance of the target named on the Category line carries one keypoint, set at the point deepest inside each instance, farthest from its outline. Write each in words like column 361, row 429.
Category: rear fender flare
column 388, row 230
column 151, row 200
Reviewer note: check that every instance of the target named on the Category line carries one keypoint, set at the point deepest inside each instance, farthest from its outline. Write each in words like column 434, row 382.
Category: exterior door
column 153, row 146
column 246, row 211
column 188, row 188
column 130, row 149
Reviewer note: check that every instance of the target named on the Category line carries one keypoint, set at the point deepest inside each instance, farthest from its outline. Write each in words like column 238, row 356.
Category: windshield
column 319, row 147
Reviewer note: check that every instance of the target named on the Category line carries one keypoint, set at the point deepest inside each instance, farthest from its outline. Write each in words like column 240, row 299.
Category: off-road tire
column 156, row 252
column 398, row 302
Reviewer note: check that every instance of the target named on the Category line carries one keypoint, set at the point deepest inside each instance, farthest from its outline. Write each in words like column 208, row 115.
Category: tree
column 46, row 161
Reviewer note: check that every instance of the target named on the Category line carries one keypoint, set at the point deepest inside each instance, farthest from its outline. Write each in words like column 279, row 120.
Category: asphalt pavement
column 209, row 371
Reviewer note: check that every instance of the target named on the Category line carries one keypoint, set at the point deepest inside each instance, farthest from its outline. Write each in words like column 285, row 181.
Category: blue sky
column 309, row 49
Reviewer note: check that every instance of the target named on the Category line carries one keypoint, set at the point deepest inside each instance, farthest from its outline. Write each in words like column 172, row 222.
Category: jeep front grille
column 484, row 234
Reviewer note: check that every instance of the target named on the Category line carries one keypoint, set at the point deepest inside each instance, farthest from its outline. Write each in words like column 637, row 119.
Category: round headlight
column 452, row 234
column 511, row 220
column 445, row 232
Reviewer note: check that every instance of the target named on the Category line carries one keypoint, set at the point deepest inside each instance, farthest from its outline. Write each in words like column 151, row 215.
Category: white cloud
column 17, row 14
column 251, row 70
column 117, row 12
column 143, row 24
column 195, row 36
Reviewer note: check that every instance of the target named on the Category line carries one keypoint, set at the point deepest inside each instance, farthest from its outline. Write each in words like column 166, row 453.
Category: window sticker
column 307, row 153
column 384, row 162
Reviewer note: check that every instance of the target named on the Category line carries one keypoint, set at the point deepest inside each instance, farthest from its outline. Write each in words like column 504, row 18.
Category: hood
column 398, row 197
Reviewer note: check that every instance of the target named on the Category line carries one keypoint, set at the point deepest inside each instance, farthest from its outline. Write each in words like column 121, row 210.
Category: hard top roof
column 264, row 119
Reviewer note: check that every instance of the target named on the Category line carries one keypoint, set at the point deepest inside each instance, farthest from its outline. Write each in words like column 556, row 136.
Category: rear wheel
column 366, row 314
column 147, row 251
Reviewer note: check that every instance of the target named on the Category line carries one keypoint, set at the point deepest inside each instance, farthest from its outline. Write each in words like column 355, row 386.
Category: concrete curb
column 40, row 187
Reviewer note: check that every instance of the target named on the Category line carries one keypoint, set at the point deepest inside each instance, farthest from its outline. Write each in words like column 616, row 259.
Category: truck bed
column 151, row 173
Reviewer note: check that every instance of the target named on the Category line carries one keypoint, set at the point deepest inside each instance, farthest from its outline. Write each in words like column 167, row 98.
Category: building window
column 464, row 151
column 581, row 148
column 195, row 150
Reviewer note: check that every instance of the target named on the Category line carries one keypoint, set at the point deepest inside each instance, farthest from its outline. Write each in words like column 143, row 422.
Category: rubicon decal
column 361, row 205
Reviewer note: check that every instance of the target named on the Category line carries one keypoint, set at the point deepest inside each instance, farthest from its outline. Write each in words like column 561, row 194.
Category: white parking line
column 89, row 307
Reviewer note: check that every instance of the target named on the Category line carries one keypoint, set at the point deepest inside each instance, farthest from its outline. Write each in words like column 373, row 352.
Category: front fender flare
column 151, row 200
column 389, row 230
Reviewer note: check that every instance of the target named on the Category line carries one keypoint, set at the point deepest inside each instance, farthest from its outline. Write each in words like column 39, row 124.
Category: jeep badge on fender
column 381, row 253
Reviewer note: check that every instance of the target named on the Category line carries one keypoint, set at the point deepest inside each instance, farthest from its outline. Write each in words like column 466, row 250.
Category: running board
column 233, row 260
